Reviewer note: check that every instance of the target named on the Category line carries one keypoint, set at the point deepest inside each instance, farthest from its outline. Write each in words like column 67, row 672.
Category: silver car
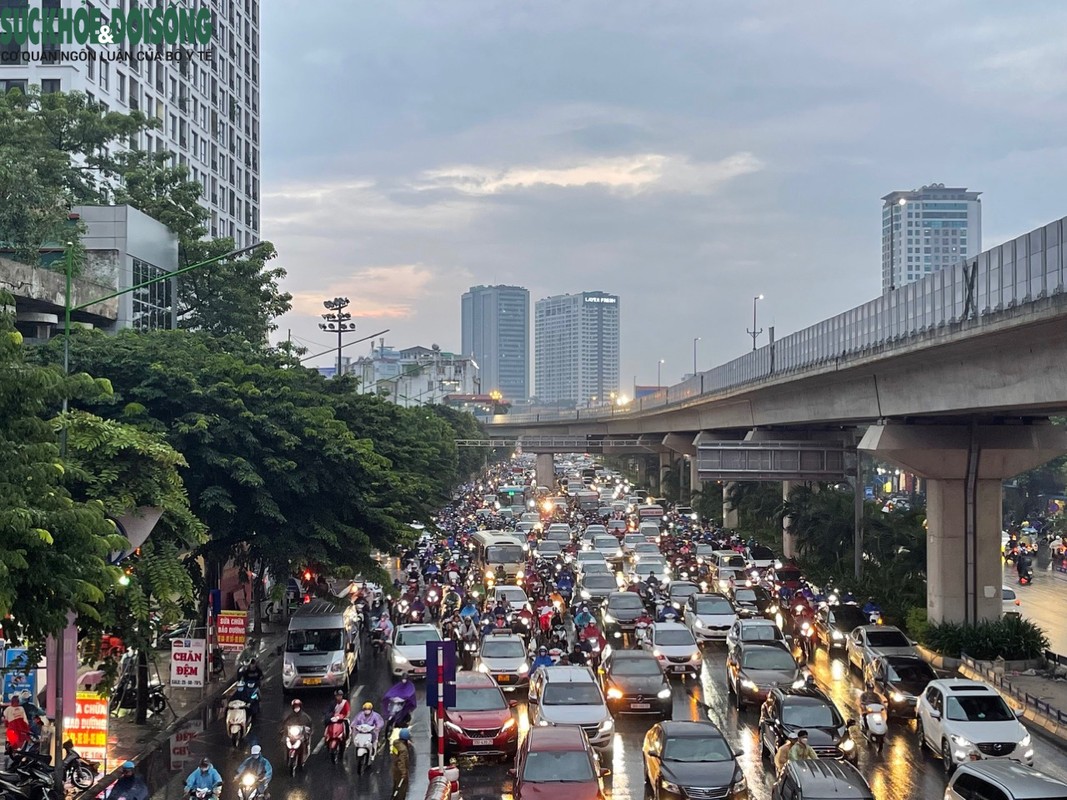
column 868, row 641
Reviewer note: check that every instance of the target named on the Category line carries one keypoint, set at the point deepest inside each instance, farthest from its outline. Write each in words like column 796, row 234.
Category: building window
column 105, row 75
column 152, row 304
column 50, row 85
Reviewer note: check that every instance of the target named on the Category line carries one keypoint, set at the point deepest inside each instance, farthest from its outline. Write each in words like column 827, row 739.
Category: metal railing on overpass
column 1009, row 276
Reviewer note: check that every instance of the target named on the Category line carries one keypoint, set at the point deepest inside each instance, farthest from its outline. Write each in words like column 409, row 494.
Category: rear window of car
column 557, row 767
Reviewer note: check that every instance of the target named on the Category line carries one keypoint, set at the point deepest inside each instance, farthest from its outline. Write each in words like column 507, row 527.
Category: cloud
column 627, row 174
column 383, row 292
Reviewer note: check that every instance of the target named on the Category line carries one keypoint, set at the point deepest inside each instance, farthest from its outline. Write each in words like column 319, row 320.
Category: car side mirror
column 935, row 714
column 655, row 755
column 512, row 773
column 1019, row 712
column 513, row 703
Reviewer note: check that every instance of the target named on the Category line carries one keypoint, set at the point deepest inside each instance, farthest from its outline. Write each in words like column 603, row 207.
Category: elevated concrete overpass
column 952, row 378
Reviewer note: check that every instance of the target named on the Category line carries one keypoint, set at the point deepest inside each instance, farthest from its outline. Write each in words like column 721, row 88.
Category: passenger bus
column 493, row 549
column 510, row 496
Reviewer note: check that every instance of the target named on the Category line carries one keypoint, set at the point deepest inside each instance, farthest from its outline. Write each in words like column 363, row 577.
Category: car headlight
column 451, row 726
column 400, row 660
column 483, row 667
column 509, row 724
column 607, row 725
column 696, row 656
column 288, row 668
column 337, row 666
column 748, row 684
column 668, row 786
column 847, row 745
column 898, row 697
column 614, row 693
column 663, row 694
column 961, row 741
column 740, row 783
column 519, row 575
column 608, row 618
column 838, row 636
column 524, row 668
column 1025, row 741
column 698, row 623
column 585, row 594
column 657, row 654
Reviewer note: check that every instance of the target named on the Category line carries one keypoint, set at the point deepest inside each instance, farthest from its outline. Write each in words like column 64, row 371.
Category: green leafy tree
column 464, row 425
column 53, row 548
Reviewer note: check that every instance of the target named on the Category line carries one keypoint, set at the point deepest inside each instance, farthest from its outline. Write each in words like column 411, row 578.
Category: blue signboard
column 18, row 674
column 446, row 652
column 868, row 492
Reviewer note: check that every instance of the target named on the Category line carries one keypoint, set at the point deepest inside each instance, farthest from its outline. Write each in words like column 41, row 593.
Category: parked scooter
column 80, row 772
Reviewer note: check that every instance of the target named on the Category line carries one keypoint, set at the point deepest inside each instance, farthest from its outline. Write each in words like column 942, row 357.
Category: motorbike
column 336, row 740
column 296, row 738
column 80, row 772
column 205, row 794
column 35, row 782
column 249, row 787
column 468, row 654
column 1026, row 576
column 395, row 717
column 873, row 725
column 238, row 720
column 366, row 752
column 641, row 635
column 377, row 641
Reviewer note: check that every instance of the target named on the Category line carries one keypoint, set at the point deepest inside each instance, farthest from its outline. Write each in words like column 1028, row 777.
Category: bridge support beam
column 694, row 478
column 729, row 513
column 789, row 539
column 964, row 466
column 665, row 463
column 546, row 471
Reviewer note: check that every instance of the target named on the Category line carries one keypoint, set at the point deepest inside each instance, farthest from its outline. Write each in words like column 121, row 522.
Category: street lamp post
column 659, row 373
column 68, row 268
column 695, row 340
column 337, row 320
column 755, row 333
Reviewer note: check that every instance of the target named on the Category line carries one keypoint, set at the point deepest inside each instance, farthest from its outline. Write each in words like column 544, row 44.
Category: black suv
column 834, row 624
column 618, row 612
column 752, row 601
column 805, row 708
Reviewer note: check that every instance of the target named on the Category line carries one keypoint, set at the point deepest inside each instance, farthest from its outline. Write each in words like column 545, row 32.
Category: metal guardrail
column 1014, row 274
column 1027, row 699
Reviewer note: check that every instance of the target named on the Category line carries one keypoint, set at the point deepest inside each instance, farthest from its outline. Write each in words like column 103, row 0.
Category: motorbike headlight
column 295, row 730
column 248, row 779
column 614, row 693
column 585, row 594
column 489, row 573
column 663, row 694
column 618, row 553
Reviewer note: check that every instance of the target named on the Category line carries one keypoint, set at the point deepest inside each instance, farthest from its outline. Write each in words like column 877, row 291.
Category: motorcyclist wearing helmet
column 297, row 716
column 869, row 697
column 368, row 716
column 204, row 777
column 130, row 786
column 470, row 609
column 403, row 759
column 384, row 626
column 583, row 617
column 257, row 764
column 467, row 630
column 543, row 659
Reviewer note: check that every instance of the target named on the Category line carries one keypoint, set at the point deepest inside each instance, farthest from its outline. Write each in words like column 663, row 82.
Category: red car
column 481, row 722
column 557, row 756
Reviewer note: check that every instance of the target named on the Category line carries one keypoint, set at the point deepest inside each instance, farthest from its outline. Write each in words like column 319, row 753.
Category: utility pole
column 337, row 319
column 754, row 333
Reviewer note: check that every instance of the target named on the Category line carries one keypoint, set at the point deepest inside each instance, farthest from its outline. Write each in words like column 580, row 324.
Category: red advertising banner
column 89, row 729
column 232, row 628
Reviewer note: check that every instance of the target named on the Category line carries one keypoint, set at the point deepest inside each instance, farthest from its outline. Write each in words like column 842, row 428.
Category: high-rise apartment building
column 926, row 230
column 576, row 348
column 496, row 334
column 207, row 107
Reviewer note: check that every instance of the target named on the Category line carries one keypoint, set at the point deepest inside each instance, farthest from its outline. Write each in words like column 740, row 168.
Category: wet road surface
column 900, row 772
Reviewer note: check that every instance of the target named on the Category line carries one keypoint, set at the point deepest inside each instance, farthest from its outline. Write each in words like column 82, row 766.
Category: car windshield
column 647, row 565
column 558, row 536
column 557, row 767
column 683, row 590
column 505, row 649
column 674, row 637
column 918, row 672
column 810, row 715
column 635, row 666
column 745, row 596
column 695, row 749
column 600, row 583
column 713, row 605
column 512, row 594
column 633, row 539
column 479, row 699
column 769, row 658
column 548, row 547
column 596, row 568
column 413, row 638
column 630, row 601
column 504, row 554
column 759, row 633
column 887, row 639
column 788, row 575
column 761, row 554
column 847, row 617
column 571, row 694
column 605, row 543
column 324, row 640
column 733, row 561
column 978, row 708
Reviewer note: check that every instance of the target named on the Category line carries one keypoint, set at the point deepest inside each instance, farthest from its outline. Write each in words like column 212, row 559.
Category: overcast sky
column 683, row 155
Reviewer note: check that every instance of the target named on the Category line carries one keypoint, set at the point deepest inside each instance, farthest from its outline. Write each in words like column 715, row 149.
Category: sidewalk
column 1042, row 697
column 160, row 746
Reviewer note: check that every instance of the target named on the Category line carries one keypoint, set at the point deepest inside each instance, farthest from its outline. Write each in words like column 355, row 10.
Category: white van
column 321, row 647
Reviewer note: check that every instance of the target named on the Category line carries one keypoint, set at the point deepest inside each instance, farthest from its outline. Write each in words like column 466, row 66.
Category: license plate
column 640, row 706
column 482, row 742
column 420, row 669
column 678, row 669
column 312, row 681
column 504, row 678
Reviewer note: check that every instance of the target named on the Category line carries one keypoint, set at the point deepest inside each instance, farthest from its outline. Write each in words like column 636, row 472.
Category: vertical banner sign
column 188, row 663
column 232, row 626
column 88, row 730
column 19, row 675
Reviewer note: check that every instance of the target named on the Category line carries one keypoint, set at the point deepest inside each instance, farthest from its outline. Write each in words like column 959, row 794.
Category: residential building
column 576, row 349
column 208, row 108
column 926, row 230
column 414, row 376
column 496, row 334
column 123, row 248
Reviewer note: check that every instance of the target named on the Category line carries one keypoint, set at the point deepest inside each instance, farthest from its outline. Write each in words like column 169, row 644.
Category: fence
column 1027, row 699
column 1024, row 270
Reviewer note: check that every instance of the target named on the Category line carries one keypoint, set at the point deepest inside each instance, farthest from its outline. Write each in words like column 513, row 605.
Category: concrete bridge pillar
column 665, row 461
column 729, row 513
column 546, row 471
column 964, row 466
column 694, row 478
column 789, row 539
